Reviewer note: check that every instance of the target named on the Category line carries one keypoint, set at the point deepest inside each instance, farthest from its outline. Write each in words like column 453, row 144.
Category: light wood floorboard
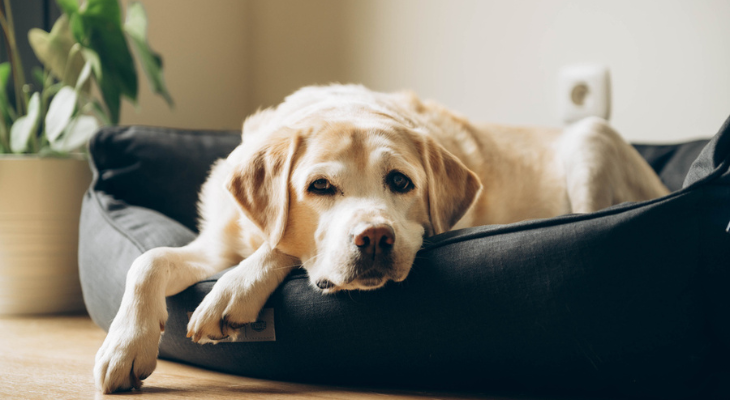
column 52, row 358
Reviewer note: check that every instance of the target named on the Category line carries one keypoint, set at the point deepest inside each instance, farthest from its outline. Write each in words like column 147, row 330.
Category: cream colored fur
column 259, row 210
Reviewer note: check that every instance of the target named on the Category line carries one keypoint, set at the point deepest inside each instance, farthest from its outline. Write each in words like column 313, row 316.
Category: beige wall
column 491, row 60
column 204, row 45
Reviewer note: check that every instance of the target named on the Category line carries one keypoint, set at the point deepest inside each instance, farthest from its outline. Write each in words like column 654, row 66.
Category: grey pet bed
column 630, row 301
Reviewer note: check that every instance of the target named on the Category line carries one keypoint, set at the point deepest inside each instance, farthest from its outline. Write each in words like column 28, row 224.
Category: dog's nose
column 374, row 238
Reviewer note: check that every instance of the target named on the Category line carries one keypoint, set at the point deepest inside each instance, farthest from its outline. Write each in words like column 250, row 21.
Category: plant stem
column 17, row 65
column 71, row 55
column 3, row 22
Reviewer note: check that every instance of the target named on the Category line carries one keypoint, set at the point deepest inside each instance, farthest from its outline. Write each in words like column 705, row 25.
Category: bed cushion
column 628, row 301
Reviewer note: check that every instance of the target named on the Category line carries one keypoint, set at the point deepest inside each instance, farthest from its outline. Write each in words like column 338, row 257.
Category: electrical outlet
column 584, row 91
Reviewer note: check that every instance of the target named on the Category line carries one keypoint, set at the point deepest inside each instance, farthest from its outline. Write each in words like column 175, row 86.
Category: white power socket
column 585, row 91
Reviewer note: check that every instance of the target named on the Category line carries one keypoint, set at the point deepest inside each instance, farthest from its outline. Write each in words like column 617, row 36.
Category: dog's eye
column 321, row 186
column 399, row 182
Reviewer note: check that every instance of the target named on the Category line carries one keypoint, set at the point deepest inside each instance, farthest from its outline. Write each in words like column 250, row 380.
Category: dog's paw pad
column 127, row 356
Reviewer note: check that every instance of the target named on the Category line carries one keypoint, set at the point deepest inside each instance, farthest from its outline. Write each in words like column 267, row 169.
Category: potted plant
column 45, row 124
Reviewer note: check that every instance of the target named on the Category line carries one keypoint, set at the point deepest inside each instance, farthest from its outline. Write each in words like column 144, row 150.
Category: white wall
column 499, row 60
column 491, row 60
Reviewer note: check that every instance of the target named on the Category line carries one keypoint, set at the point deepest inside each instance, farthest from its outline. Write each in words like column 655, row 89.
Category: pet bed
column 630, row 301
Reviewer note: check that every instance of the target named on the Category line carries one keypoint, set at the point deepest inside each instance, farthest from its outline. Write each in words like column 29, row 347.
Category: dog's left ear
column 260, row 183
column 452, row 187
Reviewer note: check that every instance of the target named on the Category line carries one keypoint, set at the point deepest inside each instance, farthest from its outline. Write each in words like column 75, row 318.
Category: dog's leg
column 601, row 169
column 129, row 352
column 239, row 295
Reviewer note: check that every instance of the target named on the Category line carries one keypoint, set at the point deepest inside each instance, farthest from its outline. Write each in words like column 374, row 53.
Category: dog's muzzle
column 372, row 256
column 373, row 259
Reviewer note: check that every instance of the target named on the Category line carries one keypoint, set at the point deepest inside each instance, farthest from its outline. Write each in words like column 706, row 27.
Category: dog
column 346, row 182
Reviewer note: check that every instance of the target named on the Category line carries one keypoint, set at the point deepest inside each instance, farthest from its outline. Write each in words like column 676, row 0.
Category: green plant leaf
column 77, row 134
column 54, row 49
column 91, row 57
column 37, row 73
column 3, row 137
column 111, row 92
column 97, row 26
column 47, row 152
column 136, row 28
column 59, row 112
column 5, row 71
column 111, row 95
column 20, row 133
column 51, row 91
column 68, row 6
column 98, row 110
column 6, row 119
column 83, row 76
column 25, row 126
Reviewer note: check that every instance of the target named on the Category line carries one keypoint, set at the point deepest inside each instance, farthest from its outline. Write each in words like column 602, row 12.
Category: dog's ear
column 260, row 183
column 452, row 187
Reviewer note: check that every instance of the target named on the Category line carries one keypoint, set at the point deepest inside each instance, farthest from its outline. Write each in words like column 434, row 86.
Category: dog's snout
column 374, row 238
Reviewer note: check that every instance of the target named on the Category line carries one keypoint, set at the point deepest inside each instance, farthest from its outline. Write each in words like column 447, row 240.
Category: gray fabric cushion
column 627, row 301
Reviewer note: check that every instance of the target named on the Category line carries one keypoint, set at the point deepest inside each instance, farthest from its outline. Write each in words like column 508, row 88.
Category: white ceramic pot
column 40, row 204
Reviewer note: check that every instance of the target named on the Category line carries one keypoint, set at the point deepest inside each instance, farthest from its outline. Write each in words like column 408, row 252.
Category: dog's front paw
column 127, row 356
column 222, row 312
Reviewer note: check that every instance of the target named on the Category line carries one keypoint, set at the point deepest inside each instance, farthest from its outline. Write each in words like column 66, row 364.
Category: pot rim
column 34, row 156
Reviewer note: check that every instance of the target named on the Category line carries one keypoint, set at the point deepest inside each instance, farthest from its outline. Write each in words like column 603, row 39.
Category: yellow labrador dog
column 346, row 182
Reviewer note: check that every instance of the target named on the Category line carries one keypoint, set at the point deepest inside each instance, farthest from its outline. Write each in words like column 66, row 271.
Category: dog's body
column 346, row 182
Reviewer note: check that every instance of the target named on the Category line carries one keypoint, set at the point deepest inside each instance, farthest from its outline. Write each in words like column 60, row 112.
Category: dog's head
column 350, row 191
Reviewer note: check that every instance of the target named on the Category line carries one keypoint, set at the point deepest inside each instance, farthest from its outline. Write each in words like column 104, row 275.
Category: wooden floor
column 52, row 358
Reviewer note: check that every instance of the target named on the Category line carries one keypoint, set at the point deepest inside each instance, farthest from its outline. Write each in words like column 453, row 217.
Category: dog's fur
column 319, row 182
